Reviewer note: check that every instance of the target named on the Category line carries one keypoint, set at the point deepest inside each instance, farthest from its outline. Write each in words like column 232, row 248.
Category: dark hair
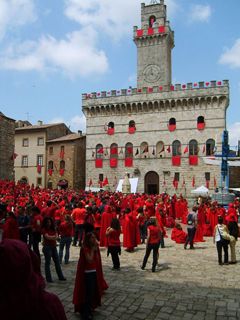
column 115, row 224
column 45, row 222
column 140, row 210
column 35, row 209
column 220, row 219
column 87, row 238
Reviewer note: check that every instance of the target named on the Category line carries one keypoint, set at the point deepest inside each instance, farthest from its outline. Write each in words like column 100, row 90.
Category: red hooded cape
column 79, row 289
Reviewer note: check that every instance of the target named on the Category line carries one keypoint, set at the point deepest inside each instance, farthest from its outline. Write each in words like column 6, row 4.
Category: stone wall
column 151, row 118
column 7, row 129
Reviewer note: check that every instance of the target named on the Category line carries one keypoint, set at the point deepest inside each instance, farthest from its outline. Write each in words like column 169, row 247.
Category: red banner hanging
column 113, row 162
column 171, row 127
column 98, row 163
column 176, row 160
column 193, row 160
column 110, row 131
column 128, row 162
column 201, row 126
column 131, row 130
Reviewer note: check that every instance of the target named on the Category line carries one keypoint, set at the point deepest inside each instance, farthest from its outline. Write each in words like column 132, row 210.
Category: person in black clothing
column 191, row 228
column 233, row 231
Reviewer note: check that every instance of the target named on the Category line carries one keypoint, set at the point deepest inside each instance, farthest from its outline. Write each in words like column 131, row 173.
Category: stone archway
column 151, row 183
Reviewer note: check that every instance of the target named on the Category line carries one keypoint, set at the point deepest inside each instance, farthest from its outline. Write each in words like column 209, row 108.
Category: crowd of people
column 58, row 218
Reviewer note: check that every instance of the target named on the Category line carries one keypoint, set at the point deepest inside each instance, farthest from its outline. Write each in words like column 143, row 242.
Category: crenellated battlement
column 156, row 89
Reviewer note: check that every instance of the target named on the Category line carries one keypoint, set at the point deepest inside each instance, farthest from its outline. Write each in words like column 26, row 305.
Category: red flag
column 50, row 172
column 61, row 171
column 215, row 182
column 105, row 182
column 39, row 168
column 100, row 183
column 175, row 183
column 168, row 149
column 90, row 183
column 207, row 183
column 61, row 155
column 193, row 181
column 100, row 150
column 185, row 150
column 14, row 156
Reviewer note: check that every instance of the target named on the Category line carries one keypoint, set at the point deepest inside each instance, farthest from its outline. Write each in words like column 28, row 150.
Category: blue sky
column 53, row 51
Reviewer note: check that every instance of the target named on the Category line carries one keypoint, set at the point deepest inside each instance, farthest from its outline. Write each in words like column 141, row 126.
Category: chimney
column 40, row 123
column 80, row 133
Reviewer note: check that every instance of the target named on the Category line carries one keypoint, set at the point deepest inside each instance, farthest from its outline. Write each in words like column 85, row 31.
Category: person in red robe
column 89, row 281
column 178, row 235
column 10, row 227
column 131, row 234
column 106, row 220
column 22, row 292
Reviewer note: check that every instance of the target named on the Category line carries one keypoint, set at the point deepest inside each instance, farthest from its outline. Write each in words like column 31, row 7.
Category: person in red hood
column 22, row 294
column 106, row 220
column 89, row 281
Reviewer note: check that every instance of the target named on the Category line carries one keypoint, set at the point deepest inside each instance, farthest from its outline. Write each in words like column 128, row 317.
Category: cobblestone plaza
column 188, row 284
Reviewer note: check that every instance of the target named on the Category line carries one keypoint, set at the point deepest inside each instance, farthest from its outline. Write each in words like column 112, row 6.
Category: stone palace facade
column 158, row 132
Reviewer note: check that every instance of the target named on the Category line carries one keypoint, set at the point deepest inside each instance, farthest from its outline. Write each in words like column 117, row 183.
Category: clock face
column 152, row 73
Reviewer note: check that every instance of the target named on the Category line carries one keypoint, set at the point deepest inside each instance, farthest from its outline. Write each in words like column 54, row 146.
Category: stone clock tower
column 154, row 41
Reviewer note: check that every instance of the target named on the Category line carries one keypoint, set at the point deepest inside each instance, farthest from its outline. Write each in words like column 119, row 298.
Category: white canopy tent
column 201, row 191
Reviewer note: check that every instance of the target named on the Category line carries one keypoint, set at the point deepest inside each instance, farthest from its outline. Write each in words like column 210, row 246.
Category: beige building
column 7, row 155
column 30, row 146
column 157, row 132
column 66, row 161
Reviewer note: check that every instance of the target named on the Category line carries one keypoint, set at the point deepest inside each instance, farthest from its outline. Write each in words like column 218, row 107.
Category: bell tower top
column 153, row 14
column 154, row 41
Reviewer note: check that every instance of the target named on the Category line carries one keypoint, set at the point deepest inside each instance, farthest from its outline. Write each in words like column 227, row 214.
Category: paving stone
column 189, row 289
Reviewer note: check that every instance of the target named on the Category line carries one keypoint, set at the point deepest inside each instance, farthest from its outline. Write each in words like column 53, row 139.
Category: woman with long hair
column 50, row 249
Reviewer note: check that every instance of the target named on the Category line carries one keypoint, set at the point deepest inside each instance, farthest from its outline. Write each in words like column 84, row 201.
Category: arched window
column 129, row 150
column 193, row 148
column 131, row 126
column 129, row 155
column 200, row 123
column 152, row 20
column 144, row 149
column 50, row 165
column 110, row 129
column 159, row 149
column 210, row 147
column 99, row 151
column 172, row 124
column 176, row 148
column 176, row 153
column 113, row 155
column 62, row 164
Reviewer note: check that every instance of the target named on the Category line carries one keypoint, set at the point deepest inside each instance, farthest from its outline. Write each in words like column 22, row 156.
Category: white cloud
column 234, row 133
column 115, row 18
column 76, row 55
column 231, row 56
column 15, row 13
column 200, row 13
column 76, row 123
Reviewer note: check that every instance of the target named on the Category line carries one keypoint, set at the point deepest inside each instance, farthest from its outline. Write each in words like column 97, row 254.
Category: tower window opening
column 152, row 21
